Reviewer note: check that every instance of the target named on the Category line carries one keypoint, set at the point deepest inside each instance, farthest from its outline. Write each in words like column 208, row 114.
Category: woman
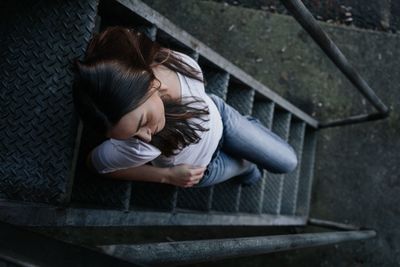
column 162, row 126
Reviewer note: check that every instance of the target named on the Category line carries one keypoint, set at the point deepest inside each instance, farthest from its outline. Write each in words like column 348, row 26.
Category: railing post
column 307, row 21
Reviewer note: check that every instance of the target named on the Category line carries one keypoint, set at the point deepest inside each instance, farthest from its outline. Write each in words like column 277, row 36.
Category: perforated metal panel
column 216, row 82
column 154, row 196
column 251, row 198
column 306, row 172
column 291, row 181
column 241, row 99
column 226, row 196
column 264, row 111
column 38, row 125
column 274, row 183
column 195, row 198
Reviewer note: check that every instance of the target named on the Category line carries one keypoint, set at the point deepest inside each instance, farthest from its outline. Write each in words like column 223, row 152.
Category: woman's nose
column 145, row 135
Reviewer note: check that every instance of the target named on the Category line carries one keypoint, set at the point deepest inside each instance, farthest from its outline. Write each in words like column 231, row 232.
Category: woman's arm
column 183, row 175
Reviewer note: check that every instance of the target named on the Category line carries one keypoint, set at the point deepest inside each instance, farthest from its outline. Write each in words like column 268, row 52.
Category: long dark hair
column 114, row 78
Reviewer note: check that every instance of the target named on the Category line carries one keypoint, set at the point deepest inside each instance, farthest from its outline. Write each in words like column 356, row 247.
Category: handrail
column 307, row 21
column 334, row 225
column 353, row 119
column 196, row 251
column 25, row 247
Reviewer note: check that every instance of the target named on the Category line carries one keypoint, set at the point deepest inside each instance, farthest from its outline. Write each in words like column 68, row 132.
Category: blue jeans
column 246, row 147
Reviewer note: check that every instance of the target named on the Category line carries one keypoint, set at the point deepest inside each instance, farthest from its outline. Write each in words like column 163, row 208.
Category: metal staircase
column 273, row 200
column 43, row 179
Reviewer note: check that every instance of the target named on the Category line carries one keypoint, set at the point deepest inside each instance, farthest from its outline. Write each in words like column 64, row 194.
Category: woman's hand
column 185, row 175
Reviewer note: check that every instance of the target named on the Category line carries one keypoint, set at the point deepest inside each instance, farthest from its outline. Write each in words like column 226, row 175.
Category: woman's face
column 142, row 122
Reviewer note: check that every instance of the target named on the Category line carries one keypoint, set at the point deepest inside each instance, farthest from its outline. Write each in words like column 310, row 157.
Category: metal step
column 198, row 199
column 153, row 196
column 263, row 110
column 225, row 197
column 38, row 214
column 92, row 189
column 193, row 198
column 306, row 172
column 251, row 198
column 216, row 81
column 34, row 176
column 38, row 129
column 227, row 194
column 274, row 185
column 241, row 98
column 291, row 180
column 201, row 198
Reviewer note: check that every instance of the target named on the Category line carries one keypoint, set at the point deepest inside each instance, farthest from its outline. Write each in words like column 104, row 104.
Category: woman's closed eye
column 142, row 124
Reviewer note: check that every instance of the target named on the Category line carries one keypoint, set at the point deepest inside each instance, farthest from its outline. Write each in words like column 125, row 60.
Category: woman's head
column 116, row 92
column 112, row 80
column 106, row 93
column 143, row 122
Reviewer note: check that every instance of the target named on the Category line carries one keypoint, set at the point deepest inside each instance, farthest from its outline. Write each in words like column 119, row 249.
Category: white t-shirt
column 113, row 154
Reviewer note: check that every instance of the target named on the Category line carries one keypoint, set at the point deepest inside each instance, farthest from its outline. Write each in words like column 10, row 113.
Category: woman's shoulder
column 134, row 145
column 114, row 154
column 188, row 59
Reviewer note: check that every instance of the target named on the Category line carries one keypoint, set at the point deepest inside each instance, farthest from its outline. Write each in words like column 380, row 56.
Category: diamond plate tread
column 38, row 128
column 251, row 197
column 153, row 196
column 195, row 198
column 291, row 181
column 306, row 172
column 274, row 184
column 91, row 188
column 241, row 99
column 216, row 82
column 226, row 196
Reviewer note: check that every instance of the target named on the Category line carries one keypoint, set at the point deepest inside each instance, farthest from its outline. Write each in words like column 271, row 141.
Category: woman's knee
column 292, row 162
column 288, row 163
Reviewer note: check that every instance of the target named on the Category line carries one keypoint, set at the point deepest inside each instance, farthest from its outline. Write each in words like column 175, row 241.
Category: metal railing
column 20, row 246
column 197, row 251
column 307, row 21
